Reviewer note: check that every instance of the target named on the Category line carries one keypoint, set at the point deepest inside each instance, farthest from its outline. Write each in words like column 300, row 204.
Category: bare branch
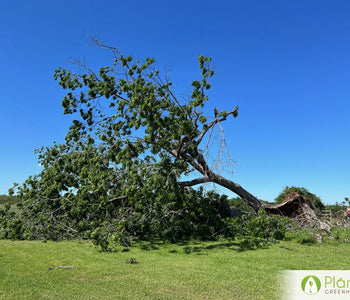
column 118, row 198
column 216, row 121
column 95, row 41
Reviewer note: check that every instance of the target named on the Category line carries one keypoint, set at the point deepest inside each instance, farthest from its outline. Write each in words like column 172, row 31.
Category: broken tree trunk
column 297, row 207
column 293, row 206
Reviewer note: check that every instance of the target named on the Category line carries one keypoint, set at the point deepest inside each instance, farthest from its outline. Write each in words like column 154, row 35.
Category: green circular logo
column 311, row 285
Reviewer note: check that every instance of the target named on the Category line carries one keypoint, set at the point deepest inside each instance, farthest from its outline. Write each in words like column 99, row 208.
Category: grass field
column 203, row 270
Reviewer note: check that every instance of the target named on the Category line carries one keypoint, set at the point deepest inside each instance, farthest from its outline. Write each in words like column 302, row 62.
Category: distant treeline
column 8, row 199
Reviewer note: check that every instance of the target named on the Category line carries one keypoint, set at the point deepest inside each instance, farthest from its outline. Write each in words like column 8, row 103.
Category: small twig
column 64, row 267
column 60, row 267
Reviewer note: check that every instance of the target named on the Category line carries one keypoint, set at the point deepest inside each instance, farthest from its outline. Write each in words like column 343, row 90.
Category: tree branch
column 118, row 198
column 216, row 121
column 194, row 181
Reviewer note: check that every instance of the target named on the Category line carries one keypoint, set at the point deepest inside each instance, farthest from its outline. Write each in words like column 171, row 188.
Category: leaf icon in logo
column 310, row 285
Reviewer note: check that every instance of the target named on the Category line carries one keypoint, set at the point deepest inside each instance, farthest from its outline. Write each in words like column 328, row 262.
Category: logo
column 311, row 285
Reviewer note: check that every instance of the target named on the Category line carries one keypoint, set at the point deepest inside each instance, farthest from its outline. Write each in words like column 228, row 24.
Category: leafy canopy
column 133, row 114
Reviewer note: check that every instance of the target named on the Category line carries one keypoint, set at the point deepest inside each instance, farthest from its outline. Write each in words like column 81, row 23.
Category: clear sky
column 285, row 63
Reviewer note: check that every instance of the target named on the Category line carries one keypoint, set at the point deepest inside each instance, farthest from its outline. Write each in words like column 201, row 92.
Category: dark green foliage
column 307, row 240
column 336, row 208
column 10, row 227
column 252, row 243
column 341, row 234
column 240, row 204
column 339, row 207
column 52, row 206
column 194, row 216
column 303, row 237
column 79, row 194
column 4, row 199
column 261, row 226
column 311, row 198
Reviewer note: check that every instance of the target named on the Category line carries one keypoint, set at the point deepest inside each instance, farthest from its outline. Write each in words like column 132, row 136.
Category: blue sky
column 285, row 63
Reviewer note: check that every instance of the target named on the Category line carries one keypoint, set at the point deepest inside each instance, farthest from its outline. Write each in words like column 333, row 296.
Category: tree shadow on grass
column 157, row 244
column 203, row 248
column 150, row 245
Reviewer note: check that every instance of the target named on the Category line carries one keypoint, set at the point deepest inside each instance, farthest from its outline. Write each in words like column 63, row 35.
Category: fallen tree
column 130, row 110
column 119, row 174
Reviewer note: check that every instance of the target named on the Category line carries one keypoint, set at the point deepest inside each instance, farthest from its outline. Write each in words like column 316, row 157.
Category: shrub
column 259, row 231
column 307, row 239
column 341, row 234
column 240, row 204
column 8, row 199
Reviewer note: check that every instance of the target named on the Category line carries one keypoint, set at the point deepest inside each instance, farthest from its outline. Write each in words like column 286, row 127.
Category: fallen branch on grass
column 60, row 267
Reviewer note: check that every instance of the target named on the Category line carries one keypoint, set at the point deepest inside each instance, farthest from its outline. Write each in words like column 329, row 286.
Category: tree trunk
column 251, row 200
column 209, row 176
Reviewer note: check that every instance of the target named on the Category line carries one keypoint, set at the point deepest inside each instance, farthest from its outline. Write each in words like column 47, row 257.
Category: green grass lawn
column 203, row 270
